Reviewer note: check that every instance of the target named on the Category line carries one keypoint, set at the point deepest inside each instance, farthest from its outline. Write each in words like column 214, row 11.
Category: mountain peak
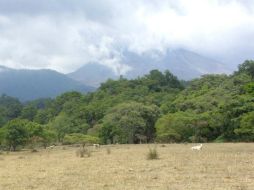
column 93, row 73
column 183, row 63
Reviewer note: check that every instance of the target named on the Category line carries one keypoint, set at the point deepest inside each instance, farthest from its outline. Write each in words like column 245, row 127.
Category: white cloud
column 203, row 26
column 63, row 36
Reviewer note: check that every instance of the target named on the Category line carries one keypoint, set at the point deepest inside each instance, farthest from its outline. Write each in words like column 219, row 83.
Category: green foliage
column 212, row 108
column 202, row 95
column 2, row 137
column 36, row 134
column 43, row 116
column 48, row 137
column 247, row 67
column 249, row 88
column 20, row 132
column 40, row 111
column 29, row 112
column 63, row 124
column 94, row 131
column 124, row 122
column 77, row 138
column 10, row 108
column 220, row 139
column 157, row 81
column 175, row 127
column 246, row 129
column 16, row 133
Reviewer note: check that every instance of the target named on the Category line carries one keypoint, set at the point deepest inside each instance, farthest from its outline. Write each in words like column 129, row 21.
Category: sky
column 65, row 34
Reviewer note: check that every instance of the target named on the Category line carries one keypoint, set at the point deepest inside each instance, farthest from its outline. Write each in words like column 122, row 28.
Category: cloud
column 64, row 35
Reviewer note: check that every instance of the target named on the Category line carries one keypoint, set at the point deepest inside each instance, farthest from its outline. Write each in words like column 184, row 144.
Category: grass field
column 217, row 166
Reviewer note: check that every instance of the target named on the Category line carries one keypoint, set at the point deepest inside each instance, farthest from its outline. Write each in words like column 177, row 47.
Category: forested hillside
column 155, row 107
column 29, row 85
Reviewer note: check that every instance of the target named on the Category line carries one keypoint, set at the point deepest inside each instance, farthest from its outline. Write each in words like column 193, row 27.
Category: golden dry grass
column 216, row 167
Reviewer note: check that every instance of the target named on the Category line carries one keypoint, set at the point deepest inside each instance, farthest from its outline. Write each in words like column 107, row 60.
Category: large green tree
column 127, row 122
column 64, row 124
column 175, row 127
column 16, row 133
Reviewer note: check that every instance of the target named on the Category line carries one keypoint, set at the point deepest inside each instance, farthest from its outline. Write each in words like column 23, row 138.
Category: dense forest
column 156, row 107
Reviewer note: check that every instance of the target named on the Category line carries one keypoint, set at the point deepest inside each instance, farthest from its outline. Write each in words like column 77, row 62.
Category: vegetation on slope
column 156, row 107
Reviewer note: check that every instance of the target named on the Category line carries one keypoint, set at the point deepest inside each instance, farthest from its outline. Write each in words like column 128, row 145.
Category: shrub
column 77, row 138
column 220, row 139
column 108, row 150
column 152, row 153
column 34, row 150
column 81, row 152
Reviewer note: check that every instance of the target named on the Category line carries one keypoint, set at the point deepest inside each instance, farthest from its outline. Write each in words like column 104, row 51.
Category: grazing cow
column 198, row 147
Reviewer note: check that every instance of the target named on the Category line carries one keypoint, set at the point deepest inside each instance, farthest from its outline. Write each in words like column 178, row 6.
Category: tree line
column 156, row 107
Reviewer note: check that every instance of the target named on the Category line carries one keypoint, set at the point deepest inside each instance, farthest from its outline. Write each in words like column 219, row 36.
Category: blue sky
column 64, row 35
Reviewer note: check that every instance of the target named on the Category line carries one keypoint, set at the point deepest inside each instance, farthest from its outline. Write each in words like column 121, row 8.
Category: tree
column 172, row 81
column 28, row 112
column 2, row 134
column 157, row 81
column 43, row 116
column 10, row 108
column 61, row 125
column 175, row 127
column 246, row 130
column 128, row 121
column 247, row 67
column 3, row 118
column 64, row 124
column 35, row 133
column 16, row 133
column 48, row 136
column 249, row 88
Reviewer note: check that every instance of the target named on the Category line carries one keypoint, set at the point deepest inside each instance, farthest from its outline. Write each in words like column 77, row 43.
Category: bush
column 77, row 138
column 174, row 127
column 34, row 150
column 220, row 139
column 81, row 152
column 108, row 150
column 152, row 153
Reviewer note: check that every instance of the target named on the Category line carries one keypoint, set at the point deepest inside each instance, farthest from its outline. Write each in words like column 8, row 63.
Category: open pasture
column 216, row 167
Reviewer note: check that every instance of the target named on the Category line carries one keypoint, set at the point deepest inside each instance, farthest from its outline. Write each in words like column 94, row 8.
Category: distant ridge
column 32, row 84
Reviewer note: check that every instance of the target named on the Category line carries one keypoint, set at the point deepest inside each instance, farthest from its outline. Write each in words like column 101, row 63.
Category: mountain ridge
column 184, row 64
column 27, row 84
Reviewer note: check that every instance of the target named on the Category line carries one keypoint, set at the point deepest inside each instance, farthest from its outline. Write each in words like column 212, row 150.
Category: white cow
column 198, row 147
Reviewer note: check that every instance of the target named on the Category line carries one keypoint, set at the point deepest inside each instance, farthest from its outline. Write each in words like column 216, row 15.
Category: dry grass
column 216, row 167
